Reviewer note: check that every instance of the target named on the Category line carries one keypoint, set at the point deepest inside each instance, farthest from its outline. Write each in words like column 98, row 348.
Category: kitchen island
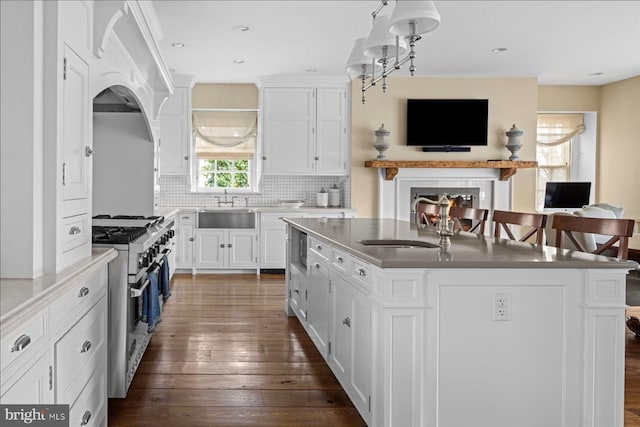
column 484, row 332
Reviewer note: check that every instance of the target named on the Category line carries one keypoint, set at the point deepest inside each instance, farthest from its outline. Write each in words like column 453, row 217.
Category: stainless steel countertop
column 467, row 250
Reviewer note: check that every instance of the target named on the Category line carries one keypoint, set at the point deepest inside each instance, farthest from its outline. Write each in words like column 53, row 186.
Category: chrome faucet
column 443, row 228
column 226, row 201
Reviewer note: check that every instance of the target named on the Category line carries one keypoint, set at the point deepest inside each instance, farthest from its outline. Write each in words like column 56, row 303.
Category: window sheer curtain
column 224, row 134
column 553, row 150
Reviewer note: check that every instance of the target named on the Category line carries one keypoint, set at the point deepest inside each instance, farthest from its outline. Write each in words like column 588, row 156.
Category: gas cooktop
column 113, row 234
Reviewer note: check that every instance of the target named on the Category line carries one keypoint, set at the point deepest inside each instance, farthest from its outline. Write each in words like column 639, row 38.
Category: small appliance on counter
column 322, row 198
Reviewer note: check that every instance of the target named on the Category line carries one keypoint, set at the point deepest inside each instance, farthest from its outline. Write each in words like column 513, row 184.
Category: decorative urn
column 513, row 144
column 381, row 144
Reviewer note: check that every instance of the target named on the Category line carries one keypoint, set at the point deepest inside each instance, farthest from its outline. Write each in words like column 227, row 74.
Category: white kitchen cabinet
column 175, row 133
column 226, row 249
column 76, row 136
column 318, row 304
column 296, row 292
column 273, row 235
column 33, row 386
column 184, row 239
column 305, row 131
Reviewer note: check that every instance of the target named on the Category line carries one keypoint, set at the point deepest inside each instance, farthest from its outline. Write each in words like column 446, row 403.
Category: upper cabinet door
column 289, row 128
column 175, row 133
column 331, row 140
column 76, row 138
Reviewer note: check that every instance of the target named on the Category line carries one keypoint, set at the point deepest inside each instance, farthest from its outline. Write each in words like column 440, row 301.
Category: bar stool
column 458, row 213
column 535, row 222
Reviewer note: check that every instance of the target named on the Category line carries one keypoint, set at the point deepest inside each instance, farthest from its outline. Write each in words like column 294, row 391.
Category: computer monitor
column 566, row 196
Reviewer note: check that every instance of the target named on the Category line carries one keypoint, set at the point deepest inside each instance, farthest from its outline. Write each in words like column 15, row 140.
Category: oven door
column 135, row 302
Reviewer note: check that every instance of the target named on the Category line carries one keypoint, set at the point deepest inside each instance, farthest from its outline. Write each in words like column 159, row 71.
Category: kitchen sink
column 395, row 243
column 227, row 219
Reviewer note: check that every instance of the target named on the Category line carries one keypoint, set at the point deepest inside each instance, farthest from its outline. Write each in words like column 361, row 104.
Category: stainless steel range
column 142, row 244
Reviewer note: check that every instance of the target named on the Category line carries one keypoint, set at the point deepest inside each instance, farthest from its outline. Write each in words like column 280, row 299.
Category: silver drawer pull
column 75, row 230
column 21, row 343
column 85, row 418
column 84, row 291
column 340, row 259
column 318, row 247
column 347, row 322
column 361, row 272
column 222, row 245
column 86, row 346
column 317, row 265
column 229, row 245
column 186, row 217
column 296, row 291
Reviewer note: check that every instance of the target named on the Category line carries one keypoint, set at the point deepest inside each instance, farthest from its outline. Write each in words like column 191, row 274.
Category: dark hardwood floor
column 225, row 354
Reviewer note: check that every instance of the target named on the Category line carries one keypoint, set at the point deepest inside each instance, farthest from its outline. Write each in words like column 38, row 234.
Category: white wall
column 21, row 141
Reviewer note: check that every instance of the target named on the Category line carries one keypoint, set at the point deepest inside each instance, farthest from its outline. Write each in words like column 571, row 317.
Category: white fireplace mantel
column 394, row 196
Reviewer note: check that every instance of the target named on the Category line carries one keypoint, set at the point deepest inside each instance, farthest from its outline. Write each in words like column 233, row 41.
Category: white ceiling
column 559, row 42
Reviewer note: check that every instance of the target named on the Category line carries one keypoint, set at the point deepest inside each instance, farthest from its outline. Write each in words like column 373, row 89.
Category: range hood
column 115, row 99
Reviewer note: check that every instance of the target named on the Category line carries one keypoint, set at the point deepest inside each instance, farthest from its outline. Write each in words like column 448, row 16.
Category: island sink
column 394, row 243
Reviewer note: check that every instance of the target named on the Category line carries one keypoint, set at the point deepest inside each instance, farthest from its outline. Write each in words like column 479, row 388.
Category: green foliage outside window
column 225, row 173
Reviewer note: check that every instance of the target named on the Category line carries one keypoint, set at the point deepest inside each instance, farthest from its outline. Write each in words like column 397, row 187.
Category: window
column 555, row 135
column 224, row 146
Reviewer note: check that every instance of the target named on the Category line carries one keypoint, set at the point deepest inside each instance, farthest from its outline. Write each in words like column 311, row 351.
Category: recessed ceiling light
column 177, row 45
column 242, row 28
column 239, row 61
column 311, row 70
column 499, row 49
column 596, row 74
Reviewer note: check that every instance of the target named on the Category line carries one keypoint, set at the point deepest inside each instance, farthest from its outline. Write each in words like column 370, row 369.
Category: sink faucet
column 226, row 201
column 443, row 228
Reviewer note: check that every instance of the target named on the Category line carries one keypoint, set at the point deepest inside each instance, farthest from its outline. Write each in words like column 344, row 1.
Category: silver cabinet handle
column 361, row 272
column 296, row 291
column 316, row 158
column 85, row 418
column 229, row 245
column 186, row 157
column 186, row 217
column 347, row 322
column 88, row 151
column 86, row 346
column 84, row 291
column 191, row 239
column 264, row 157
column 75, row 230
column 317, row 265
column 318, row 247
column 21, row 343
column 222, row 245
column 340, row 259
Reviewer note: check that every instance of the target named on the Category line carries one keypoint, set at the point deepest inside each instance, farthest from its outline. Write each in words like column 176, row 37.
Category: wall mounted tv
column 447, row 123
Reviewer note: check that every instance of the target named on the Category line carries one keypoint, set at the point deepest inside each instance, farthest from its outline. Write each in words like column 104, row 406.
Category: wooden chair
column 536, row 222
column 458, row 213
column 620, row 231
column 426, row 213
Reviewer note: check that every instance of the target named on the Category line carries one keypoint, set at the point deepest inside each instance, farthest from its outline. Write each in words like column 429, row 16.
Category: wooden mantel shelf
column 508, row 168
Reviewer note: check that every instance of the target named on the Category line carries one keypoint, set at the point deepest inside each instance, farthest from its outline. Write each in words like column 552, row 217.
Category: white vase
column 514, row 145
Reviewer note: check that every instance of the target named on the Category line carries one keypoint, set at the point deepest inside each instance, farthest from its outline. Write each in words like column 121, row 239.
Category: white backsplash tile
column 175, row 191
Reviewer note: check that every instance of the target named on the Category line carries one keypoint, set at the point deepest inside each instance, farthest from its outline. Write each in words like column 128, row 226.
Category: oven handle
column 137, row 292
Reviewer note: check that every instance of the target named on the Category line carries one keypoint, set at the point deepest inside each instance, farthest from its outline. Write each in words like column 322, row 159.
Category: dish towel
column 164, row 279
column 151, row 305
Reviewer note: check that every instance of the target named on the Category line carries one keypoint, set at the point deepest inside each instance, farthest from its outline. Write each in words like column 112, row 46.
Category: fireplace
column 483, row 186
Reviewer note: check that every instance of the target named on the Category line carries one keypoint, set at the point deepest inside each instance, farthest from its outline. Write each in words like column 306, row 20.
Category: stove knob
column 171, row 233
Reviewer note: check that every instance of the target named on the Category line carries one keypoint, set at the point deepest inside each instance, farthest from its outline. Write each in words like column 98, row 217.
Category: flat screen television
column 447, row 122
column 566, row 196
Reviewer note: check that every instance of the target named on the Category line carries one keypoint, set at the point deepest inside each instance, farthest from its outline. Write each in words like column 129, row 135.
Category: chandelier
column 382, row 51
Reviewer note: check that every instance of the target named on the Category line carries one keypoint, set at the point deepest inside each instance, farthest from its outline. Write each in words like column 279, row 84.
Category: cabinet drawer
column 75, row 232
column 186, row 217
column 361, row 273
column 72, row 305
column 340, row 261
column 319, row 248
column 80, row 352
column 24, row 341
column 90, row 408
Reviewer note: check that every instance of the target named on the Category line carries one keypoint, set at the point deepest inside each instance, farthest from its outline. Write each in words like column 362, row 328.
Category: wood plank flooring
column 225, row 354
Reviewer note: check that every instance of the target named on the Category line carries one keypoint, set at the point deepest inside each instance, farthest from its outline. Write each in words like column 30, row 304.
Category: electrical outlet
column 501, row 307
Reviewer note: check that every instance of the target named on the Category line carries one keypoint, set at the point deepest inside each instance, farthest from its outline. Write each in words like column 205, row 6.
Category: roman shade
column 556, row 129
column 224, row 134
